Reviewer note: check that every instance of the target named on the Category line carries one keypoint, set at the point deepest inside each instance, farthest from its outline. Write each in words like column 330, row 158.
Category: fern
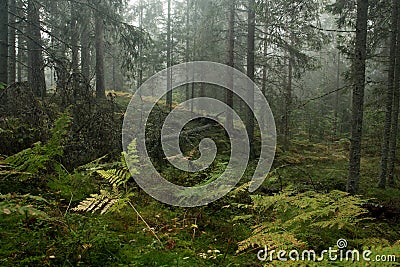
column 115, row 197
column 289, row 217
column 40, row 157
column 111, row 199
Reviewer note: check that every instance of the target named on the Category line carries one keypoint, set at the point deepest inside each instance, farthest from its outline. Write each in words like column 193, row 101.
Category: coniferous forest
column 78, row 155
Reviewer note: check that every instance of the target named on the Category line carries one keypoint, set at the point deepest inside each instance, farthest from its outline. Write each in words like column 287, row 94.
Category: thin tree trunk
column 353, row 179
column 99, row 32
column 74, row 40
column 140, row 48
column 265, row 52
column 12, row 51
column 231, row 63
column 395, row 110
column 21, row 45
column 337, row 95
column 288, row 103
column 251, row 26
column 187, row 44
column 85, row 48
column 169, row 92
column 36, row 76
column 389, row 98
column 4, row 42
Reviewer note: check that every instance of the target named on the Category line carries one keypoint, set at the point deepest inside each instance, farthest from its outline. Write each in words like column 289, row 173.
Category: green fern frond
column 117, row 196
column 96, row 202
column 288, row 216
column 40, row 157
column 115, row 177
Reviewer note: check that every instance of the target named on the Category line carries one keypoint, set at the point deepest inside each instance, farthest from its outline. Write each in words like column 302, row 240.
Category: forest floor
column 40, row 231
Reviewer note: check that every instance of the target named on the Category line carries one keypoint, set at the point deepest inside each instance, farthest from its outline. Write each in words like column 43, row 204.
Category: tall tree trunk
column 389, row 97
column 99, row 32
column 12, row 51
column 395, row 110
column 353, row 179
column 231, row 62
column 20, row 55
column 21, row 50
column 4, row 42
column 36, row 76
column 187, row 52
column 251, row 27
column 337, row 96
column 140, row 48
column 265, row 51
column 74, row 39
column 85, row 47
column 169, row 91
column 288, row 103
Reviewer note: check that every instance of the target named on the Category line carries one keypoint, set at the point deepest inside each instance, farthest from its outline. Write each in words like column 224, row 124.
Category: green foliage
column 41, row 157
column 292, row 220
column 21, row 204
column 116, row 195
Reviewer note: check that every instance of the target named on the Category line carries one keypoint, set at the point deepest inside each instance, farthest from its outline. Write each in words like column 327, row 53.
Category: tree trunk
column 395, row 110
column 288, row 104
column 140, row 48
column 4, row 42
column 231, row 63
column 85, row 47
column 265, row 52
column 187, row 44
column 389, row 98
column 20, row 55
column 353, row 179
column 169, row 91
column 12, row 52
column 99, row 32
column 74, row 39
column 251, row 26
column 36, row 76
column 337, row 96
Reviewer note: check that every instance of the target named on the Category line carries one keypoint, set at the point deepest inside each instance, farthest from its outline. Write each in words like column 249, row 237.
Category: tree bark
column 85, row 47
column 231, row 63
column 4, row 42
column 74, row 39
column 99, row 32
column 353, row 179
column 395, row 110
column 187, row 44
column 251, row 26
column 288, row 103
column 337, row 97
column 12, row 52
column 140, row 48
column 36, row 76
column 169, row 91
column 389, row 98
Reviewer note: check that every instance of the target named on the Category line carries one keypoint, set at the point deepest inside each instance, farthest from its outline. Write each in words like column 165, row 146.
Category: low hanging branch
column 331, row 30
column 324, row 95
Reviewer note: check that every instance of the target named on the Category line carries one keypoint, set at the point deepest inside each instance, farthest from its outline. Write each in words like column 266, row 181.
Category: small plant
column 291, row 220
column 117, row 195
column 41, row 157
